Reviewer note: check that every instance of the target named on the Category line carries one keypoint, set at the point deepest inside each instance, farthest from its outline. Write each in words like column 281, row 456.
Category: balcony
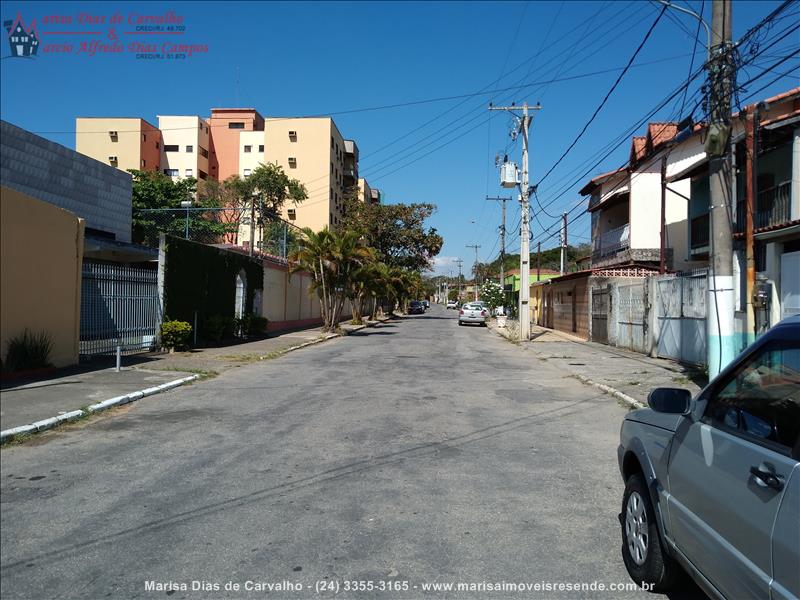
column 611, row 242
column 774, row 206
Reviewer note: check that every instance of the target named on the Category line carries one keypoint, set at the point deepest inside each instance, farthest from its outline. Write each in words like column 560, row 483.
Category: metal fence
column 272, row 235
column 119, row 307
column 631, row 315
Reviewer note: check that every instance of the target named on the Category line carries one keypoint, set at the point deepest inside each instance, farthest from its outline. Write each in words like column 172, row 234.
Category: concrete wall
column 40, row 283
column 97, row 193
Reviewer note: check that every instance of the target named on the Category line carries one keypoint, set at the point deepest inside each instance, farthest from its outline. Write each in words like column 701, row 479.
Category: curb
column 632, row 402
column 325, row 338
column 45, row 424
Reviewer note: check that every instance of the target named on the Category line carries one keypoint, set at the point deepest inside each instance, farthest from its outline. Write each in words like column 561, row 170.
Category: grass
column 681, row 379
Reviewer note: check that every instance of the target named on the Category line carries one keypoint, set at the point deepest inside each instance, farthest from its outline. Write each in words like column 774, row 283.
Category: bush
column 28, row 351
column 258, row 325
column 217, row 328
column 175, row 334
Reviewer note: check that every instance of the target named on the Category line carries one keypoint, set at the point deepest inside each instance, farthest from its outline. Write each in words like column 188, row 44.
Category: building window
column 247, row 172
column 292, row 162
column 144, row 137
column 171, row 172
column 248, row 148
column 144, row 163
column 158, row 145
column 189, row 173
column 171, row 148
column 261, row 147
column 331, row 168
column 203, row 152
column 292, row 136
column 190, row 149
column 202, row 174
column 235, row 125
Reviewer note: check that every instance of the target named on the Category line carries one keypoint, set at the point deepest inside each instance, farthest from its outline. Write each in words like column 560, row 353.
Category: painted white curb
column 74, row 414
column 632, row 402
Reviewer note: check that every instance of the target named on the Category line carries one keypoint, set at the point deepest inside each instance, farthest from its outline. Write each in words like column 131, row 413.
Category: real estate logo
column 23, row 41
column 143, row 35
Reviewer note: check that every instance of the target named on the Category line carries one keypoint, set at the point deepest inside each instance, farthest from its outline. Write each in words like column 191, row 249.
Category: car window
column 761, row 399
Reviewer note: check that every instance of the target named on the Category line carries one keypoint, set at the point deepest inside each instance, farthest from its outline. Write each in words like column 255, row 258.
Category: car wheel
column 642, row 547
column 461, row 322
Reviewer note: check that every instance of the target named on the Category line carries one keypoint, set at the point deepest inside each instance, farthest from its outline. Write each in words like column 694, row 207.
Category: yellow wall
column 129, row 146
column 40, row 283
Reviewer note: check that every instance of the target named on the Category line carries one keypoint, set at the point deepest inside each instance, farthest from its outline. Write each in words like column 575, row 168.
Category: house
column 22, row 42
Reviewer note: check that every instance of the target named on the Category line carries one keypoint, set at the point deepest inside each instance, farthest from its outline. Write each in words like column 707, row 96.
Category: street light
column 187, row 204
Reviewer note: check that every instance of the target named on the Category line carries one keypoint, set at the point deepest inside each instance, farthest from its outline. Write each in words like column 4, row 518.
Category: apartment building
column 184, row 151
column 313, row 151
column 367, row 194
column 228, row 125
column 121, row 142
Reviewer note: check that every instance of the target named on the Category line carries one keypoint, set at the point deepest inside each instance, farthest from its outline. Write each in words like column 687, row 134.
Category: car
column 416, row 307
column 452, row 304
column 427, row 304
column 473, row 313
column 712, row 483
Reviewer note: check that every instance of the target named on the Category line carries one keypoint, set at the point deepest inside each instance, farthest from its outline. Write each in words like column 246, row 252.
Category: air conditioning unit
column 112, row 159
column 292, row 134
column 292, row 214
column 292, row 161
column 112, row 133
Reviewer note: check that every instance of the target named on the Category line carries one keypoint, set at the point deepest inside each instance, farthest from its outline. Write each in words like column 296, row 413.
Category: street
column 416, row 452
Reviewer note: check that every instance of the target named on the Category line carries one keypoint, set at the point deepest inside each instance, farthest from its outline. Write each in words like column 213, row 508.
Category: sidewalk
column 25, row 402
column 627, row 375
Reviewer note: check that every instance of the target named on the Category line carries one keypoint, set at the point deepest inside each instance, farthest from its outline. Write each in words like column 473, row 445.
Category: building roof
column 660, row 132
column 596, row 181
column 638, row 148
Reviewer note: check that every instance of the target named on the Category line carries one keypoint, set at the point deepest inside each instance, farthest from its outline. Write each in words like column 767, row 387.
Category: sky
column 444, row 62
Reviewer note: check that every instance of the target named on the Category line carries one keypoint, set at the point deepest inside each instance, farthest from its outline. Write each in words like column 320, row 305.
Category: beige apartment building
column 366, row 194
column 184, row 151
column 122, row 142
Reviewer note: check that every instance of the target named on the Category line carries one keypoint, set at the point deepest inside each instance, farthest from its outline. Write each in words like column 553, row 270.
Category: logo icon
column 24, row 42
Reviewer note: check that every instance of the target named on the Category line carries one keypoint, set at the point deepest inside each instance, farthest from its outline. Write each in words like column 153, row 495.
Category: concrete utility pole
column 459, row 262
column 721, row 75
column 524, row 124
column 475, row 281
column 502, row 243
column 563, row 243
column 538, row 261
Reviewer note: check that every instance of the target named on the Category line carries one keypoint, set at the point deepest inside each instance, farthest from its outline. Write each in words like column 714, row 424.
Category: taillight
column 484, row 313
column 461, row 312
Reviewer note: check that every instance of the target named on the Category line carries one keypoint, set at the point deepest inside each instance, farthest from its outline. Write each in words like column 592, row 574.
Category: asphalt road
column 417, row 452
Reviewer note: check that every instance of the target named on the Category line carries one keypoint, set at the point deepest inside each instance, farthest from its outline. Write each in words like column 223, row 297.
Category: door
column 790, row 284
column 729, row 470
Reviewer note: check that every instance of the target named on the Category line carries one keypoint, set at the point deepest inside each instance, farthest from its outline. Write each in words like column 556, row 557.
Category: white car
column 473, row 313
column 452, row 304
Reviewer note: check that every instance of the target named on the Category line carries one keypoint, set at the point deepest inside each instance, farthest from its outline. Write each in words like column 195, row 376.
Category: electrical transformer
column 509, row 175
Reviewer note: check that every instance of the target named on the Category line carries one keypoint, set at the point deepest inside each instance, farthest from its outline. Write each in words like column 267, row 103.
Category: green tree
column 397, row 232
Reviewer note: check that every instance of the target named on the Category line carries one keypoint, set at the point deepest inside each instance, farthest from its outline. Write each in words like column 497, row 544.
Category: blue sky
column 330, row 57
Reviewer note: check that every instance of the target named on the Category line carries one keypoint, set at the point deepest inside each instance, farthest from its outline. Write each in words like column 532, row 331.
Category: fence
column 631, row 319
column 215, row 226
column 119, row 306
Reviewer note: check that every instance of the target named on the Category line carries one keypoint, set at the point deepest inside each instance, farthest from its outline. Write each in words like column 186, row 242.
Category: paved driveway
column 416, row 452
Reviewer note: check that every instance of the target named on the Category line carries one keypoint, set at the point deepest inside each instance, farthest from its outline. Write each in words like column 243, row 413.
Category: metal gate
column 119, row 306
column 631, row 316
column 681, row 313
column 600, row 301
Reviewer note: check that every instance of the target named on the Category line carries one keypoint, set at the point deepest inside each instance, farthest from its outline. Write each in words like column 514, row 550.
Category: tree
column 397, row 232
column 332, row 258
column 231, row 194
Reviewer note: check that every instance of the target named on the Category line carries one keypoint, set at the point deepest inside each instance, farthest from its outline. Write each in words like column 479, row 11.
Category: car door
column 729, row 470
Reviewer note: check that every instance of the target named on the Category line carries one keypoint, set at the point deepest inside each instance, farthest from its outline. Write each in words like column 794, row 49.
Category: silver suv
column 712, row 484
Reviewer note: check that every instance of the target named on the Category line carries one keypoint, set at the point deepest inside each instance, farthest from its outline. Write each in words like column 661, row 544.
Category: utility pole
column 502, row 237
column 563, row 243
column 523, row 126
column 538, row 261
column 459, row 262
column 721, row 74
column 475, row 281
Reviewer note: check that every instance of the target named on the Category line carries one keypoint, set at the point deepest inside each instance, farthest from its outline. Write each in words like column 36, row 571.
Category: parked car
column 427, row 304
column 416, row 307
column 473, row 313
column 712, row 483
column 452, row 304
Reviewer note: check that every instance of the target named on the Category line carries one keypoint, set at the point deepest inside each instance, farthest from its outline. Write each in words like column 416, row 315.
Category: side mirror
column 673, row 401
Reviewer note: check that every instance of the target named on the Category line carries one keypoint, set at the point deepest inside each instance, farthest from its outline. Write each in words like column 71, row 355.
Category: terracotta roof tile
column 658, row 133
